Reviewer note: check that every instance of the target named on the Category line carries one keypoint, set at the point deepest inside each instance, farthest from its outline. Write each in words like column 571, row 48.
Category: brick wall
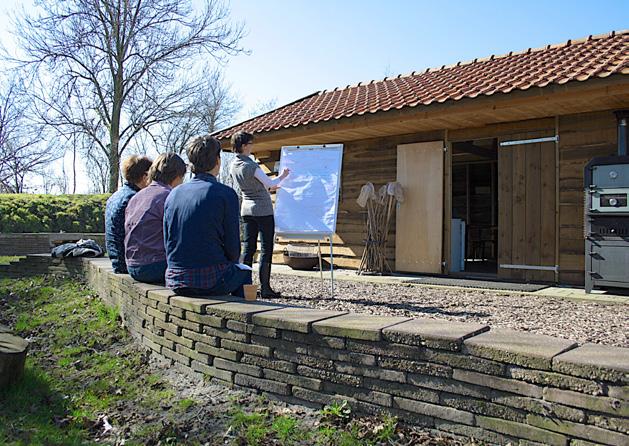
column 497, row 386
column 36, row 243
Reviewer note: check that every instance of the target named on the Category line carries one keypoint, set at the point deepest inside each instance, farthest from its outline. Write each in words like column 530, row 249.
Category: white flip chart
column 307, row 201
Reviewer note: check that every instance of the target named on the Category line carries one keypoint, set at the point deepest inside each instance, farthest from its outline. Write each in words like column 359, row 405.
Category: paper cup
column 251, row 292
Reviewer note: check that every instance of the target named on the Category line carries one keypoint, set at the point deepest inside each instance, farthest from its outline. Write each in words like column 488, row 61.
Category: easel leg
column 331, row 268
column 321, row 267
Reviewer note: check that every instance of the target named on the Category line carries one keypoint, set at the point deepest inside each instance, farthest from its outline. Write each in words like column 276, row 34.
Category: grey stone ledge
column 433, row 333
column 294, row 318
column 195, row 304
column 516, row 347
column 595, row 361
column 240, row 311
column 356, row 326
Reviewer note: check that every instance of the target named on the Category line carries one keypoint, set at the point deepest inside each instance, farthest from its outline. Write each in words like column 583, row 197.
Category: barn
column 498, row 144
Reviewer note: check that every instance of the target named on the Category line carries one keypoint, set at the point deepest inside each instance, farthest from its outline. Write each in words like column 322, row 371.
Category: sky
column 297, row 47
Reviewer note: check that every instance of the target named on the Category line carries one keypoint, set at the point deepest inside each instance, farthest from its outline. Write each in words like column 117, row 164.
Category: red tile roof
column 575, row 60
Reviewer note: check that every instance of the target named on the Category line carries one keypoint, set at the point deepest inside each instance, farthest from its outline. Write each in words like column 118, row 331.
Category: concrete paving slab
column 433, row 333
column 294, row 318
column 240, row 311
column 595, row 361
column 356, row 326
column 195, row 304
column 516, row 347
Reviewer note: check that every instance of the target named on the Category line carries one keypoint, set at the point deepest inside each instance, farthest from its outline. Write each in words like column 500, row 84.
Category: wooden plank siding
column 581, row 138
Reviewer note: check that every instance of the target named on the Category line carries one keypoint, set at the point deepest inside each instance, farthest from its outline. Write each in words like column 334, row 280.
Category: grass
column 5, row 260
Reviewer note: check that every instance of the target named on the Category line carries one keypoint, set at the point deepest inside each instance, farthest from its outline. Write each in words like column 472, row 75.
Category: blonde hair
column 134, row 168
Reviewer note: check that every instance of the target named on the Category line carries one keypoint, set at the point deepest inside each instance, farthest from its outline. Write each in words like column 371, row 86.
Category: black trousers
column 252, row 226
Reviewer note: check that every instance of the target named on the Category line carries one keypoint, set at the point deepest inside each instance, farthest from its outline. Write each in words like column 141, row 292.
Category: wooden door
column 419, row 220
column 526, row 209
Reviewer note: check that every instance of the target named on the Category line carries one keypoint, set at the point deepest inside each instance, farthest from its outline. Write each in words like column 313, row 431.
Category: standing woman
column 256, row 209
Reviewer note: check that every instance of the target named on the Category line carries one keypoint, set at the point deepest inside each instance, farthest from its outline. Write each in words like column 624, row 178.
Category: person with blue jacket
column 201, row 229
column 135, row 174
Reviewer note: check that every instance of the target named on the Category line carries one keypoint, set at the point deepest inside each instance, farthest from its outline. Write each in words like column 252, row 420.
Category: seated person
column 144, row 221
column 201, row 229
column 135, row 174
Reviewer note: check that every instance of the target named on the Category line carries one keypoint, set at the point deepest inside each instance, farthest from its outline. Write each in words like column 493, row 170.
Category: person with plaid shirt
column 201, row 229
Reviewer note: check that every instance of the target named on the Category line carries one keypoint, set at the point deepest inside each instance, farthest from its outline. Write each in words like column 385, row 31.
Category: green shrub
column 52, row 213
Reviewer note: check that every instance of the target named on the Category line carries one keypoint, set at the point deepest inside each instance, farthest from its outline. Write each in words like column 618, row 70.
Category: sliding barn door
column 419, row 220
column 526, row 208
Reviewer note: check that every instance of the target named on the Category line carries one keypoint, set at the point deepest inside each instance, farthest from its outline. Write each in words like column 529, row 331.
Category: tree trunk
column 12, row 357
column 114, row 167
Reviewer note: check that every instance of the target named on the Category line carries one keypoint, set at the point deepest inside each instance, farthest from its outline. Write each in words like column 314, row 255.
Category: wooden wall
column 581, row 138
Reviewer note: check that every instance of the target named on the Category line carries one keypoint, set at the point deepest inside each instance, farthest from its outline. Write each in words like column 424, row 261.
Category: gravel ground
column 581, row 321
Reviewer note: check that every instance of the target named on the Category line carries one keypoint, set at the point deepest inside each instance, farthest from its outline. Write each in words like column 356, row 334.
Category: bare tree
column 109, row 68
column 208, row 107
column 261, row 107
column 24, row 148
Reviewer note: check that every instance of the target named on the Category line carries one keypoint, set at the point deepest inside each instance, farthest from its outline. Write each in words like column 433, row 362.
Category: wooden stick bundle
column 380, row 208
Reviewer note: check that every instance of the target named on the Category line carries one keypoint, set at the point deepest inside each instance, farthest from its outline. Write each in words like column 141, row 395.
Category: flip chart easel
column 306, row 205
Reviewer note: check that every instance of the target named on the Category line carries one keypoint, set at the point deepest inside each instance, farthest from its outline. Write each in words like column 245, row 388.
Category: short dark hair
column 134, row 168
column 203, row 153
column 239, row 139
column 167, row 167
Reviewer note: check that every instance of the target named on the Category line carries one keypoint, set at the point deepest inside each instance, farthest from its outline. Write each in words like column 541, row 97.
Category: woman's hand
column 284, row 173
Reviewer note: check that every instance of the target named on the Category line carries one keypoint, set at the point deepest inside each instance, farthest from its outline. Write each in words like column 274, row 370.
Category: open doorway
column 475, row 207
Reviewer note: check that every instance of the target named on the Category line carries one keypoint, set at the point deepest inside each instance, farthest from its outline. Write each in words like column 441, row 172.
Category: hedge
column 52, row 213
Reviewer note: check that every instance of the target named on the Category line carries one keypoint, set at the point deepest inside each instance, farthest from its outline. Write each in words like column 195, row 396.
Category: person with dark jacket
column 201, row 230
column 256, row 209
column 135, row 174
column 144, row 220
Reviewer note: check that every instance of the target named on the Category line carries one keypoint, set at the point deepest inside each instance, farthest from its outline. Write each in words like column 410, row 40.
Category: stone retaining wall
column 35, row 243
column 497, row 386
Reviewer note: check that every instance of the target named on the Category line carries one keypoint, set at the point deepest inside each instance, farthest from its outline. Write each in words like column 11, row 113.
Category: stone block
column 238, row 367
column 540, row 407
column 298, row 358
column 520, row 430
column 194, row 304
column 158, row 296
column 481, row 407
column 610, row 423
column 218, row 352
column 293, row 380
column 327, row 375
column 318, row 397
column 367, row 395
column 463, row 361
column 188, row 325
column 155, row 313
column 341, row 355
column 385, row 349
column 168, row 326
column 240, row 311
column 474, row 432
column 287, row 346
column 186, row 342
column 434, row 410
column 255, row 350
column 619, row 392
column 243, row 327
column 200, row 337
column 262, row 384
column 595, row 361
column 160, row 340
column 185, row 351
column 185, row 360
column 435, row 333
column 448, row 385
column 275, row 364
column 314, row 339
column 516, row 347
column 170, row 310
column 494, row 382
column 205, row 319
column 552, row 379
column 223, row 333
column 424, row 368
column 294, row 318
column 371, row 372
column 592, row 433
column 356, row 326
column 611, row 406
column 213, row 372
column 404, row 390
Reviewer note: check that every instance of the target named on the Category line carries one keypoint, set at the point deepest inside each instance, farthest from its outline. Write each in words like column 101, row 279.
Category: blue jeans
column 152, row 273
column 231, row 282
